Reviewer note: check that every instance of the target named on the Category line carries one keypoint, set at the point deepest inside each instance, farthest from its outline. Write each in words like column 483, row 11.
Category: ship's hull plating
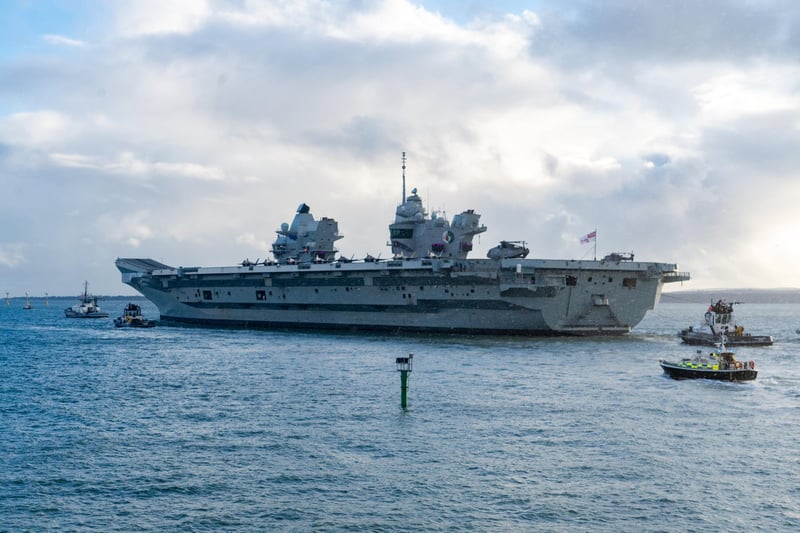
column 521, row 297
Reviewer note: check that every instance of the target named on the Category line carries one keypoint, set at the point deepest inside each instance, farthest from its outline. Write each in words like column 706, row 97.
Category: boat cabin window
column 629, row 282
column 261, row 295
column 206, row 295
column 571, row 281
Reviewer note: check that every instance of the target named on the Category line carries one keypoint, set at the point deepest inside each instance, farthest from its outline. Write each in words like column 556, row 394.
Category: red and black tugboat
column 721, row 365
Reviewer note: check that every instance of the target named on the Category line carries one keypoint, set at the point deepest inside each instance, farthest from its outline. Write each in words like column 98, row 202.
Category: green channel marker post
column 404, row 367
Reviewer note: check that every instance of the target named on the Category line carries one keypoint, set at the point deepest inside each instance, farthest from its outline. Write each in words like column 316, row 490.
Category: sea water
column 192, row 429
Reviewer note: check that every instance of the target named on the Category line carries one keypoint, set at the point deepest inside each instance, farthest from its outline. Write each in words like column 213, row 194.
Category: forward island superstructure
column 428, row 285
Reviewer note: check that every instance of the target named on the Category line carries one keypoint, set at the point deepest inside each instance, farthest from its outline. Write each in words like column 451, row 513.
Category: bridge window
column 401, row 233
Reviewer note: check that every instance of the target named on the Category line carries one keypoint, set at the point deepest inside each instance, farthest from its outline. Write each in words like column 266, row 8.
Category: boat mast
column 403, row 199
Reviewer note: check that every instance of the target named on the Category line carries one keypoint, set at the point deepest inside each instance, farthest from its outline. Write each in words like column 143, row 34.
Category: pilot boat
column 720, row 365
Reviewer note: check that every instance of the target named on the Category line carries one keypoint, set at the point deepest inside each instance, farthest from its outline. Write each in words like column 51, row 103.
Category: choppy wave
column 208, row 430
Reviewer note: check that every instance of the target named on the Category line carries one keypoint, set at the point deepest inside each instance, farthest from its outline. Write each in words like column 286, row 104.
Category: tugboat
column 87, row 308
column 132, row 318
column 719, row 320
column 721, row 365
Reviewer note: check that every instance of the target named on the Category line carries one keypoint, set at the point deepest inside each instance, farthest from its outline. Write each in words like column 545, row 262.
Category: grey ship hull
column 468, row 296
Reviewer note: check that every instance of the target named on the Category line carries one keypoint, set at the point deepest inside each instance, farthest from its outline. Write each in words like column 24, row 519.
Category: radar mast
column 403, row 199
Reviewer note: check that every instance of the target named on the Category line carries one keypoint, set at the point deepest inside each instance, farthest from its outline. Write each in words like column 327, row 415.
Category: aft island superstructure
column 428, row 285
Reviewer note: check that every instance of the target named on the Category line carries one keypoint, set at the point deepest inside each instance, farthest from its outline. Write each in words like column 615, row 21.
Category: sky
column 188, row 131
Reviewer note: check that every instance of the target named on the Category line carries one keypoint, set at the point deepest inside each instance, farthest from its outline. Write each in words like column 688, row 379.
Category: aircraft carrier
column 429, row 284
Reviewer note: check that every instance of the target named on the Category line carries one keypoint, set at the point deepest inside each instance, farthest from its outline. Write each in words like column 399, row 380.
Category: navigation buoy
column 404, row 367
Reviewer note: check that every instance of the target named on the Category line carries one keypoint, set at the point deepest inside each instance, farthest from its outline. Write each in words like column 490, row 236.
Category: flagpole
column 595, row 244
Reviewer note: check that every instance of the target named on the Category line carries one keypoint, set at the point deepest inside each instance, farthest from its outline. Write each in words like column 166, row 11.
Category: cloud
column 35, row 128
column 249, row 239
column 189, row 131
column 131, row 228
column 739, row 93
column 128, row 164
column 613, row 35
column 74, row 160
column 60, row 40
column 12, row 255
column 188, row 170
column 154, row 17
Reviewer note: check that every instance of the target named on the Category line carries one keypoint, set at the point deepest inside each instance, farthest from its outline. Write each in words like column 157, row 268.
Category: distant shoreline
column 74, row 297
column 753, row 296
